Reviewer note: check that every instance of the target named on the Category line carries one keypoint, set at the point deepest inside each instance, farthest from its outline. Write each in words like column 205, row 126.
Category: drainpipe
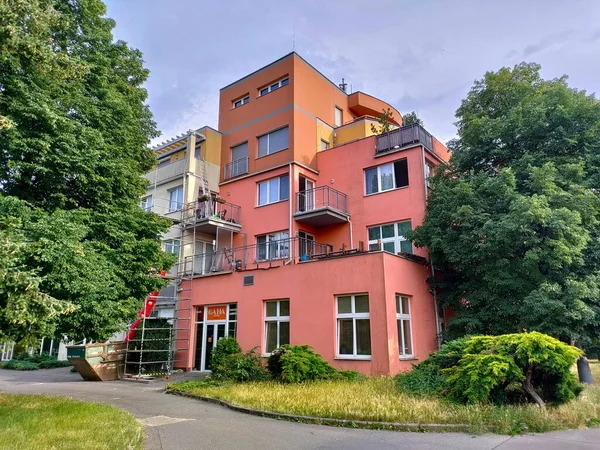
column 351, row 241
column 435, row 309
column 423, row 171
column 291, row 197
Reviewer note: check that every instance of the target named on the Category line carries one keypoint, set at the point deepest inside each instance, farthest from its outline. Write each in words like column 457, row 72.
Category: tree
column 514, row 220
column 74, row 141
column 411, row 118
column 385, row 122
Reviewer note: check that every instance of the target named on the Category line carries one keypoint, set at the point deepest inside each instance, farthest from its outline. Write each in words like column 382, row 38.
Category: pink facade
column 361, row 299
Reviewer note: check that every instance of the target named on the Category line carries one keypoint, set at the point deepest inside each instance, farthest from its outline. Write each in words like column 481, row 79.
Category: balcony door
column 203, row 258
column 306, row 199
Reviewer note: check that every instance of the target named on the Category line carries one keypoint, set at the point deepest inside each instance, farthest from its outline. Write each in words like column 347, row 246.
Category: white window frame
column 354, row 316
column 278, row 318
column 178, row 204
column 379, row 188
column 397, row 239
column 240, row 101
column 268, row 136
column 335, row 116
column 402, row 317
column 429, row 170
column 268, row 184
column 274, row 86
column 277, row 240
column 146, row 203
column 172, row 246
column 323, row 141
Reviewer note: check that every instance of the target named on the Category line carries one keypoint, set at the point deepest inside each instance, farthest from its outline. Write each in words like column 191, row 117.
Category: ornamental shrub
column 15, row 364
column 511, row 368
column 229, row 363
column 53, row 364
column 299, row 363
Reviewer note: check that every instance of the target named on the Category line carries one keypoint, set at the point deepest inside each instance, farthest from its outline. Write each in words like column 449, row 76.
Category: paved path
column 208, row 426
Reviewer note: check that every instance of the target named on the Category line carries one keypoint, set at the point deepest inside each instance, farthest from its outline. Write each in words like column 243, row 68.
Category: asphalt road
column 180, row 423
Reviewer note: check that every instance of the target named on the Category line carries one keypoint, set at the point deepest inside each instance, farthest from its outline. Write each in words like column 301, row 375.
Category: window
column 274, row 86
column 146, row 203
column 164, row 162
column 232, row 322
column 197, row 151
column 273, row 142
column 273, row 246
column 391, row 237
column 172, row 246
column 277, row 324
column 404, row 328
column 353, row 326
column 339, row 114
column 429, row 172
column 175, row 199
column 274, row 190
column 241, row 101
column 239, row 159
column 324, row 144
column 386, row 177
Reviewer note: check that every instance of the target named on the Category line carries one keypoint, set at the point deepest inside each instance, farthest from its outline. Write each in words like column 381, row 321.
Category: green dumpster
column 98, row 361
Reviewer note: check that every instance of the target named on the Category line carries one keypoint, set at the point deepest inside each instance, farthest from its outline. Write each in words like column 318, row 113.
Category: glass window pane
column 403, row 227
column 371, row 180
column 232, row 329
column 271, row 309
column 239, row 151
column 278, row 140
column 398, row 306
column 263, row 145
column 262, row 194
column 233, row 312
column 284, row 308
column 373, row 247
column 285, row 81
column 404, row 304
column 389, row 247
column 284, row 333
column 361, row 303
column 284, row 187
column 274, row 86
column 271, row 336
column 238, row 103
column 363, row 337
column 344, row 305
column 374, row 233
column 273, row 190
column 387, row 231
column 387, row 177
column 406, row 247
column 407, row 337
column 264, row 91
column 346, row 337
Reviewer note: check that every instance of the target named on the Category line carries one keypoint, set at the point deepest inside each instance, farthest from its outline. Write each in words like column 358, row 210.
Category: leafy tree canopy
column 74, row 135
column 513, row 221
column 411, row 118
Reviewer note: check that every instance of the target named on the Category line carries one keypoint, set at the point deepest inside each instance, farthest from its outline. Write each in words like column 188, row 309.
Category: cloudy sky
column 418, row 55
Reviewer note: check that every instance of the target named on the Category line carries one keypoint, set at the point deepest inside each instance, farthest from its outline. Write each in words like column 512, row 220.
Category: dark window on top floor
column 386, row 177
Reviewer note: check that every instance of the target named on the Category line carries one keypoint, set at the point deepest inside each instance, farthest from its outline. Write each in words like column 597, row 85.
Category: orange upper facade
column 287, row 93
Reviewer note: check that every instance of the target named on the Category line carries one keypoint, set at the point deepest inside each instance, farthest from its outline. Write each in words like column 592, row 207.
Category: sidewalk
column 174, row 422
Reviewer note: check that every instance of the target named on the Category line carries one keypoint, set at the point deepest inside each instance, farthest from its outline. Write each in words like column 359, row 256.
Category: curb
column 414, row 427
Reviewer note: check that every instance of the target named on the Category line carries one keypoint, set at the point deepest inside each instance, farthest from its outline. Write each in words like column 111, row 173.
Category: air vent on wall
column 249, row 280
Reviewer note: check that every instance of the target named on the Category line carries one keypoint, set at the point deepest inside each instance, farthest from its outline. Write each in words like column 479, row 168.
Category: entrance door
column 306, row 200
column 214, row 333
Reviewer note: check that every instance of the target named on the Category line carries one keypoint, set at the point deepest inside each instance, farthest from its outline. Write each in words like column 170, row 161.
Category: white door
column 203, row 257
column 310, row 195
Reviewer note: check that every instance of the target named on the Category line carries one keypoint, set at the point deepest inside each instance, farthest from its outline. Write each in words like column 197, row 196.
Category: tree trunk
column 585, row 373
column 530, row 390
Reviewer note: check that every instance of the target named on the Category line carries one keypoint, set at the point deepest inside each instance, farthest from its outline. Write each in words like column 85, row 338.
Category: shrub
column 15, row 364
column 35, row 358
column 295, row 364
column 351, row 375
column 511, row 368
column 229, row 363
column 53, row 364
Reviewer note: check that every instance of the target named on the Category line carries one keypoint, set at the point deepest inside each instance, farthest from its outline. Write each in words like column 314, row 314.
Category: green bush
column 229, row 363
column 53, row 364
column 35, row 358
column 15, row 364
column 351, row 375
column 511, row 368
column 295, row 364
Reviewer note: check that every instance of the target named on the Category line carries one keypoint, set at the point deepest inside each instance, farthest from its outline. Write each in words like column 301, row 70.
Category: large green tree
column 74, row 135
column 513, row 220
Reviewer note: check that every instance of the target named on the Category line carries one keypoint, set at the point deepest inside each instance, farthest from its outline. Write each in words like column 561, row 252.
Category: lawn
column 41, row 422
column 376, row 399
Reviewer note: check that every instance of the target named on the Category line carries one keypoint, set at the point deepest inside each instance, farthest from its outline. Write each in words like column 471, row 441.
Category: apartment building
column 308, row 226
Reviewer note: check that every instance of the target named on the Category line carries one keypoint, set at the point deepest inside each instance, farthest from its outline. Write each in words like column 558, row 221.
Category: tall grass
column 39, row 422
column 377, row 399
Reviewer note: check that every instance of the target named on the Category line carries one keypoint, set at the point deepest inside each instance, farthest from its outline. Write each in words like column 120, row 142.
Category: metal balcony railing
column 235, row 168
column 212, row 209
column 321, row 197
column 253, row 256
column 402, row 137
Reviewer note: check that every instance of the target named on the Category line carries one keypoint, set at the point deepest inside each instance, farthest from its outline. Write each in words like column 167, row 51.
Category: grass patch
column 41, row 422
column 377, row 399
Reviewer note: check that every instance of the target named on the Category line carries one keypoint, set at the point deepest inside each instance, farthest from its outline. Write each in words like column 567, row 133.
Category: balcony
column 268, row 254
column 410, row 135
column 321, row 206
column 235, row 168
column 209, row 215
